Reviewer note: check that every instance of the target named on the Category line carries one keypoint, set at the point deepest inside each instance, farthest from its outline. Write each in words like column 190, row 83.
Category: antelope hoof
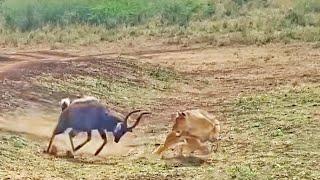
column 53, row 151
column 69, row 154
column 157, row 151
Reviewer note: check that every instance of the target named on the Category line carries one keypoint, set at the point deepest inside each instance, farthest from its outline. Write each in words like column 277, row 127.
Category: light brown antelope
column 194, row 127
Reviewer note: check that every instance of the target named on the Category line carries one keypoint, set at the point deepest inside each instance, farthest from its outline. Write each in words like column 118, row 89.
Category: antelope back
column 86, row 117
column 199, row 123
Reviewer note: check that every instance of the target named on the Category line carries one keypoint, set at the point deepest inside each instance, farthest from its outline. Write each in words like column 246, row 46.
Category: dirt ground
column 219, row 76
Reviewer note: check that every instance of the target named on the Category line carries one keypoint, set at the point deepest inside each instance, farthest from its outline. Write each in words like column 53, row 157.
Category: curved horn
column 126, row 118
column 138, row 120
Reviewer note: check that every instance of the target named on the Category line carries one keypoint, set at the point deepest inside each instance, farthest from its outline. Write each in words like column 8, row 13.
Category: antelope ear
column 180, row 113
column 64, row 103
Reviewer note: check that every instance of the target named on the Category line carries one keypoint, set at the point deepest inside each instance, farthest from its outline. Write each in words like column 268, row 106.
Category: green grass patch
column 280, row 132
column 288, row 109
column 117, row 92
column 241, row 172
column 163, row 74
column 33, row 14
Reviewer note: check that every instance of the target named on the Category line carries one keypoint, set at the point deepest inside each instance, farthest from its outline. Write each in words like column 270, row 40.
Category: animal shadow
column 91, row 160
column 185, row 161
column 84, row 158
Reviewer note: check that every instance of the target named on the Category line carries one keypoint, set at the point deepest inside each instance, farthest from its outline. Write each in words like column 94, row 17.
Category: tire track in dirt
column 16, row 60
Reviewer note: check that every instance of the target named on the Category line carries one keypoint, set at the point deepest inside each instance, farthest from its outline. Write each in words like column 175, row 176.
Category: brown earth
column 220, row 74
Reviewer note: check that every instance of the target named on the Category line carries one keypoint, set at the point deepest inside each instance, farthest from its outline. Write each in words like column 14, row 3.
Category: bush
column 296, row 18
column 32, row 14
column 87, row 22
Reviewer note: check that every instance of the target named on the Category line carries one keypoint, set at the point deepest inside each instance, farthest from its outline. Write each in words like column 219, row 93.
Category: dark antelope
column 85, row 117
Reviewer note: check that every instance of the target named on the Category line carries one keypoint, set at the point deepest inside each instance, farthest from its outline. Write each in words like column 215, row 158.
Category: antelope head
column 122, row 127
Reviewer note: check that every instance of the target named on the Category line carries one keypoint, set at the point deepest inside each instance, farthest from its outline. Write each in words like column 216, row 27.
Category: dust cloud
column 40, row 123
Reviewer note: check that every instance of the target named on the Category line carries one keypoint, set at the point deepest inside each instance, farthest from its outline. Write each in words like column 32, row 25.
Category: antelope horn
column 138, row 120
column 126, row 118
